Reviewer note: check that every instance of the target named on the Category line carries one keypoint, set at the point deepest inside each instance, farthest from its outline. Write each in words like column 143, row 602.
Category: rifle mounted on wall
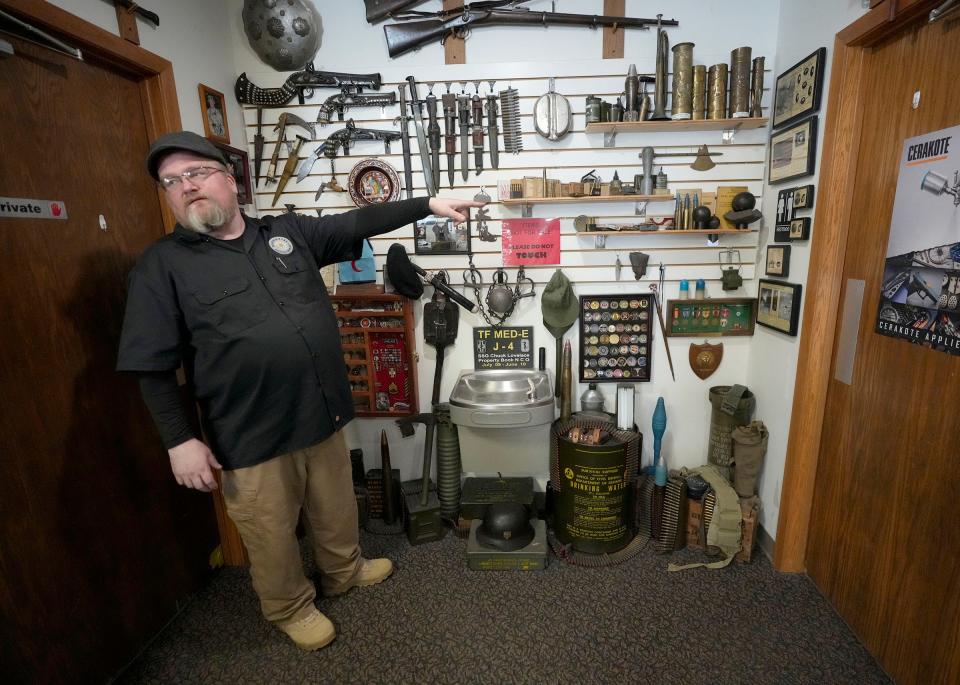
column 420, row 28
column 302, row 84
column 378, row 10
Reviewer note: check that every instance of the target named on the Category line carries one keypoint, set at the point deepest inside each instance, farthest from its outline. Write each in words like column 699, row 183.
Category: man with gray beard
column 239, row 304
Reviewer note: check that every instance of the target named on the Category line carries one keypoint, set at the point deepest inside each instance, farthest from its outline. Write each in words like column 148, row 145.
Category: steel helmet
column 506, row 526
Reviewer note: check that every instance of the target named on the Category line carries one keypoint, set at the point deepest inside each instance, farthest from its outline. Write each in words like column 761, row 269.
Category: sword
column 286, row 119
column 258, row 147
column 417, row 109
column 450, row 135
column 663, row 329
column 433, row 133
column 492, row 131
column 477, row 107
column 463, row 109
column 404, row 122
column 288, row 168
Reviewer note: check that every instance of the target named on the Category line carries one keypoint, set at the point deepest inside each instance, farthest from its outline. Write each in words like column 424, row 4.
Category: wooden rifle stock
column 405, row 36
column 378, row 10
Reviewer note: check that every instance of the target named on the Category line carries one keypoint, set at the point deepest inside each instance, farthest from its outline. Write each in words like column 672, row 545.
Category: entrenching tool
column 417, row 111
column 450, row 134
column 560, row 310
column 286, row 119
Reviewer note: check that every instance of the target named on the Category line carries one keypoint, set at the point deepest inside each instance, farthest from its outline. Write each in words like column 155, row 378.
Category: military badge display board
column 920, row 291
column 616, row 337
column 714, row 317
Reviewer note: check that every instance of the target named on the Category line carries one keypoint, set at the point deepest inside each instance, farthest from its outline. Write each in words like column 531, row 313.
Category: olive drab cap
column 559, row 304
column 187, row 141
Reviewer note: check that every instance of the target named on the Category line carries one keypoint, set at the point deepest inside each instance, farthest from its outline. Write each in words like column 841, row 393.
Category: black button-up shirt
column 252, row 324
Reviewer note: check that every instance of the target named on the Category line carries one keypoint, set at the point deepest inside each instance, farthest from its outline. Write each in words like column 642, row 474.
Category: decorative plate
column 372, row 182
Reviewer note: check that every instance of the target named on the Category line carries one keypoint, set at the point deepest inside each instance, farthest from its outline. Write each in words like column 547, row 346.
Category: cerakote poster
column 920, row 297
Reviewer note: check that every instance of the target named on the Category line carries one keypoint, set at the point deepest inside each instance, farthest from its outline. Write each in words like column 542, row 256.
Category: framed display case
column 719, row 316
column 616, row 337
column 377, row 336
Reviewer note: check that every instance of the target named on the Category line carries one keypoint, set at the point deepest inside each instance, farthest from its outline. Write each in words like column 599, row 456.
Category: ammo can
column 592, row 487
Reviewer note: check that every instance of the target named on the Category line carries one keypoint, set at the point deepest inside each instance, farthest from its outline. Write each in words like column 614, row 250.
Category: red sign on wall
column 531, row 241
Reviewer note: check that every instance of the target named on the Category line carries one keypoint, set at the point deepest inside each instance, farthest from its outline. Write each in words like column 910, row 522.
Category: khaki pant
column 265, row 502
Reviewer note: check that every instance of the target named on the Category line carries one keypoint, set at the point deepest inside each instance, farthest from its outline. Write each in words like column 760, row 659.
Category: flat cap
column 187, row 141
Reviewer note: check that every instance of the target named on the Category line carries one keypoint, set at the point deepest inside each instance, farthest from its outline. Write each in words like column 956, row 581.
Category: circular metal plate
column 373, row 182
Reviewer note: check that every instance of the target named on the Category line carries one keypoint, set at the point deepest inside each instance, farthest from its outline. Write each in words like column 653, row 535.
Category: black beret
column 402, row 274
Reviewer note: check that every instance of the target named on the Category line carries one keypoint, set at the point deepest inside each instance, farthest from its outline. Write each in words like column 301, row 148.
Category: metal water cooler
column 503, row 418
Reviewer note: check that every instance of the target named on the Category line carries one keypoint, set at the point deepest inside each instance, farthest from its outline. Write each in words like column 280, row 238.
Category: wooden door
column 97, row 543
column 883, row 543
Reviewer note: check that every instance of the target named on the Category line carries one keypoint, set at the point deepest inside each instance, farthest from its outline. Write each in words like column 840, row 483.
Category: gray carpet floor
column 436, row 621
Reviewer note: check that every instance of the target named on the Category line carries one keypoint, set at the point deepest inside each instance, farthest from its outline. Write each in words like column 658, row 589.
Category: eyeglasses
column 197, row 175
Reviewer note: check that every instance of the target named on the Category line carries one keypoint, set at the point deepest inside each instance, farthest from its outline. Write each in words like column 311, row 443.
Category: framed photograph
column 239, row 166
column 720, row 316
column 793, row 151
column 778, row 305
column 800, row 228
column 440, row 235
column 797, row 91
column 214, row 112
column 778, row 260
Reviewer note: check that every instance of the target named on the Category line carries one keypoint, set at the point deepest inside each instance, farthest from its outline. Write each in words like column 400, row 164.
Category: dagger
column 463, row 109
column 450, row 135
column 433, row 133
column 492, row 131
column 258, row 147
column 477, row 107
column 417, row 109
column 404, row 122
column 288, row 168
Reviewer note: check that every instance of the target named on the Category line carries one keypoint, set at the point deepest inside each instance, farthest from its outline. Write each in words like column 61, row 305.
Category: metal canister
column 756, row 88
column 682, row 106
column 699, row 97
column 604, row 111
column 740, row 82
column 717, row 92
column 591, row 484
column 616, row 111
column 593, row 109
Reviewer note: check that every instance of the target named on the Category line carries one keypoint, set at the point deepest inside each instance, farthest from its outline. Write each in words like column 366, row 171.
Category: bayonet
column 433, row 133
column 463, row 110
column 404, row 122
column 450, row 134
column 417, row 111
column 340, row 102
column 477, row 107
column 258, row 147
column 492, row 131
column 286, row 119
column 292, row 159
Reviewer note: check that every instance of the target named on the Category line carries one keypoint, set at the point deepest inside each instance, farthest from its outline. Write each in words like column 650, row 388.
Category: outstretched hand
column 452, row 208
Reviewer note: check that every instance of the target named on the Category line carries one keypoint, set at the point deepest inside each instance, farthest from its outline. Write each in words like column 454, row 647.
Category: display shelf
column 671, row 231
column 667, row 197
column 389, row 354
column 667, row 125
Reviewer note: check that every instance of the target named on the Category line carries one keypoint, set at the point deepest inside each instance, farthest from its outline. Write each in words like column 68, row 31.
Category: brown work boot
column 310, row 633
column 371, row 572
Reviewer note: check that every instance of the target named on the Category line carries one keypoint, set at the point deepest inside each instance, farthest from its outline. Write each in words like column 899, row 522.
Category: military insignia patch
column 705, row 358
column 280, row 244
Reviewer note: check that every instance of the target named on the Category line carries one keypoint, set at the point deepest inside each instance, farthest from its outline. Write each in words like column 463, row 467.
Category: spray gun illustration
column 936, row 184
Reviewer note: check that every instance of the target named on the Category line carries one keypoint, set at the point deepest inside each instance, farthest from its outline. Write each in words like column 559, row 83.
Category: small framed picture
column 214, row 111
column 797, row 91
column 778, row 260
column 440, row 235
column 239, row 166
column 778, row 305
column 800, row 228
column 793, row 151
